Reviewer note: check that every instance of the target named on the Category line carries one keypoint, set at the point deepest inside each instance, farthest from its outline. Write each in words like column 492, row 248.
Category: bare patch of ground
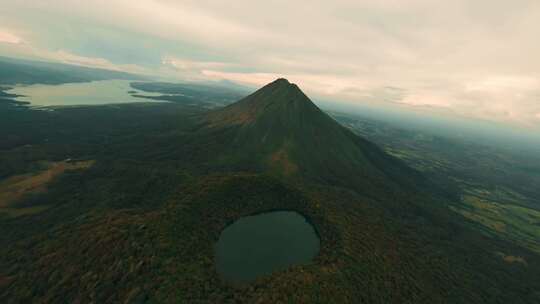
column 14, row 188
column 512, row 259
column 281, row 160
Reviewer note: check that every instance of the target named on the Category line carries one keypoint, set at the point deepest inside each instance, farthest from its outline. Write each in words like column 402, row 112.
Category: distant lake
column 261, row 244
column 86, row 93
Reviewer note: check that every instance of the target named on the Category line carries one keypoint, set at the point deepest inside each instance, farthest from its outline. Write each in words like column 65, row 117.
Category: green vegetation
column 15, row 188
column 512, row 222
column 496, row 190
column 279, row 129
column 140, row 224
column 460, row 165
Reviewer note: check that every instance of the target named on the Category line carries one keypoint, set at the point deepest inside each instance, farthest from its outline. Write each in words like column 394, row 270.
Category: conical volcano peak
column 279, row 91
column 281, row 81
column 278, row 100
column 279, row 128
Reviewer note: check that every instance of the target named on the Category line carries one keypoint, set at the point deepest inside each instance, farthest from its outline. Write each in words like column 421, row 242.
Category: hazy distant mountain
column 17, row 71
column 191, row 92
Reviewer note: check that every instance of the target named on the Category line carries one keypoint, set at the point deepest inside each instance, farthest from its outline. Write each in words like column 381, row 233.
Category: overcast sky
column 473, row 58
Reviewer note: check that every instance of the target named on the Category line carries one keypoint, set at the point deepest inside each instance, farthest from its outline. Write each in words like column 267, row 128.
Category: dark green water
column 261, row 244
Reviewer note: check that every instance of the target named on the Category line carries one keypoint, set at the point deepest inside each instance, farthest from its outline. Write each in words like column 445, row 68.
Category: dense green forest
column 139, row 224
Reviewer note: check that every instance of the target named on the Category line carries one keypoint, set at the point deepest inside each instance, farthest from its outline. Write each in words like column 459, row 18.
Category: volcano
column 141, row 224
column 280, row 130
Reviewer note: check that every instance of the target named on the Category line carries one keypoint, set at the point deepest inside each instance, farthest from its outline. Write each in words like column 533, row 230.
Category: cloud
column 30, row 51
column 70, row 58
column 426, row 99
column 7, row 37
column 477, row 59
column 254, row 79
column 502, row 83
column 192, row 65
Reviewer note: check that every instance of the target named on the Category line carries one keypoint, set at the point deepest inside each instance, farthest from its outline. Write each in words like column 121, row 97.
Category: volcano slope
column 141, row 226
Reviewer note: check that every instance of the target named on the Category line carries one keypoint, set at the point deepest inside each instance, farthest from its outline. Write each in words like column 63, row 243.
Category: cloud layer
column 477, row 59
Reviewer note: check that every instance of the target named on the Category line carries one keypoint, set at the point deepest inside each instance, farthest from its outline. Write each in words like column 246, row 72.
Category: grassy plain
column 498, row 188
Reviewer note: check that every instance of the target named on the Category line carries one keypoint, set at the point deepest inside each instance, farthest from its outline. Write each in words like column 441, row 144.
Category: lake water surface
column 261, row 244
column 86, row 93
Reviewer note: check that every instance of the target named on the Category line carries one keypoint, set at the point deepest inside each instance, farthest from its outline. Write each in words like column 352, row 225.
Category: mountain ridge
column 279, row 93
